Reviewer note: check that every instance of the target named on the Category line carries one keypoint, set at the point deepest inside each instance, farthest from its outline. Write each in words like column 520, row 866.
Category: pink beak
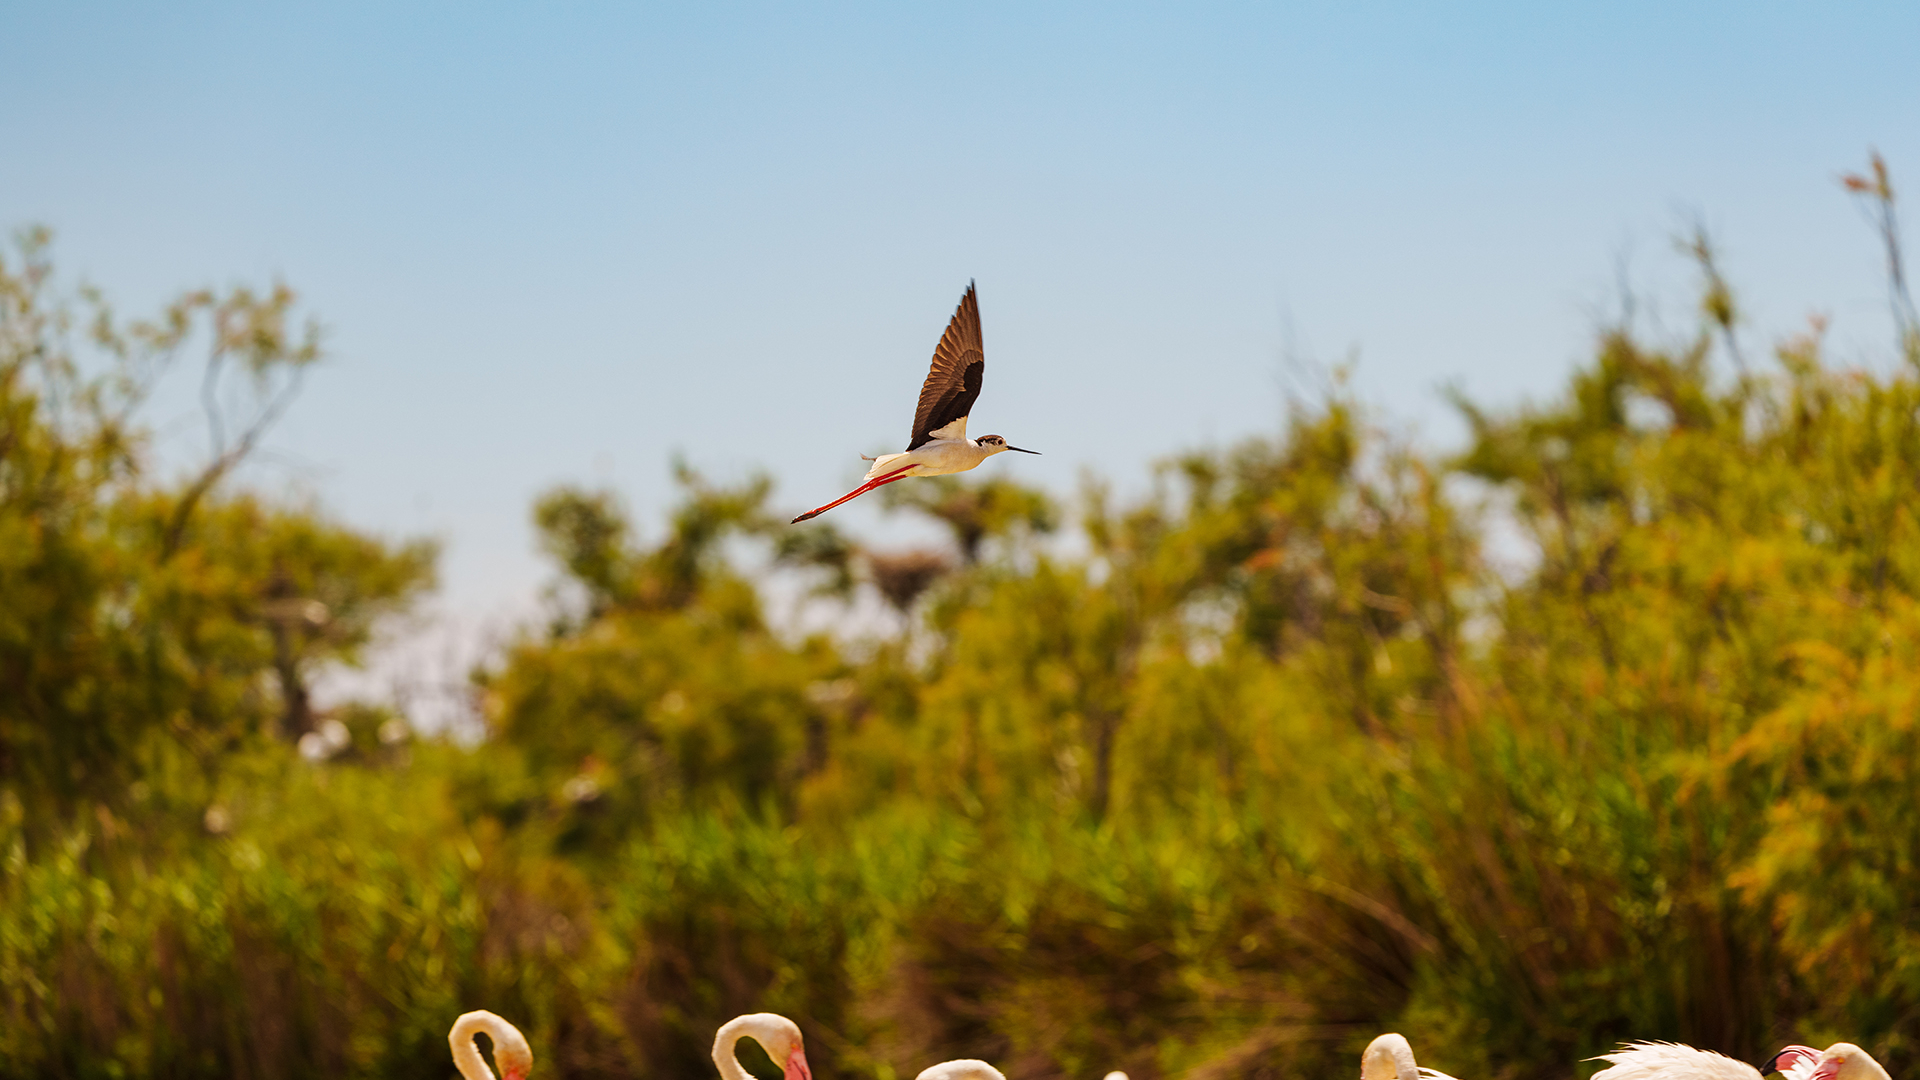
column 797, row 1065
column 1789, row 1058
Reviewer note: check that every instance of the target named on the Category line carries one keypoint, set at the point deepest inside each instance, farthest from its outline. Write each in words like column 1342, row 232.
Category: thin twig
column 177, row 525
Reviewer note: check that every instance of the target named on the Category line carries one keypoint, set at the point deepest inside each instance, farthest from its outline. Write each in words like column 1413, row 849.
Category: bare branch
column 253, row 331
column 225, row 463
column 210, row 401
column 1717, row 302
column 1875, row 192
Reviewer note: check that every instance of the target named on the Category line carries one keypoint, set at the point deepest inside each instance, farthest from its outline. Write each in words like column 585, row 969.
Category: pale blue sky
column 563, row 242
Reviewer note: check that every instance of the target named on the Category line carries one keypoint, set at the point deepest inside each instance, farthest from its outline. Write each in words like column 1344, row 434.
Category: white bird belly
column 936, row 458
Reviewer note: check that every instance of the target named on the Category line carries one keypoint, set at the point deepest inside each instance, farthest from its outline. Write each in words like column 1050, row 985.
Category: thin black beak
column 1034, row 452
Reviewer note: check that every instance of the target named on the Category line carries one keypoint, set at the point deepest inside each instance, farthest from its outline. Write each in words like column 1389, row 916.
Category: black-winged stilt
column 940, row 444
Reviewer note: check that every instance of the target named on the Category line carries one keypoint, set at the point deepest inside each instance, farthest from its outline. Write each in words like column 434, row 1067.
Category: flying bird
column 940, row 444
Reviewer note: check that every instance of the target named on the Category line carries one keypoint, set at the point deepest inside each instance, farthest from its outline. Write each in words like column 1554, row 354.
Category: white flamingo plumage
column 1389, row 1057
column 1675, row 1061
column 961, row 1069
column 510, row 1048
column 777, row 1035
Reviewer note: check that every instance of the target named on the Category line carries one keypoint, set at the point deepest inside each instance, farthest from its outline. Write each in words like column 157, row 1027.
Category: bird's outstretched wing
column 954, row 380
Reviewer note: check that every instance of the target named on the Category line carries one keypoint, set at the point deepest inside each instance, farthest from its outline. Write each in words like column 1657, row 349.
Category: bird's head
column 994, row 444
column 1845, row 1061
column 511, row 1053
column 1388, row 1058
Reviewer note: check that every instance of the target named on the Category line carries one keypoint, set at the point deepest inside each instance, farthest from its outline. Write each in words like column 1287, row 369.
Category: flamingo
column 780, row 1037
column 961, row 1069
column 1389, row 1057
column 1674, row 1061
column 776, row 1034
column 509, row 1047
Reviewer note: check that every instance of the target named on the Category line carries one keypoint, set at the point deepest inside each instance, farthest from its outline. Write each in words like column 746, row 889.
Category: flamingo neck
column 466, row 1055
column 732, row 1032
column 1403, row 1063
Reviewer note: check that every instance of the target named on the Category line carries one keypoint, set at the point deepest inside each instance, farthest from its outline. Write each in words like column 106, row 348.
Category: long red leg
column 897, row 474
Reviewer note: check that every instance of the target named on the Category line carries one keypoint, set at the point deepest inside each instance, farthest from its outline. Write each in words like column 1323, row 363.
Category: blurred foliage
column 1601, row 728
column 140, row 618
column 976, row 511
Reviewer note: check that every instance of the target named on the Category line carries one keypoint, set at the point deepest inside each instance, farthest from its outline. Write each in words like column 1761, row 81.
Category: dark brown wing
column 954, row 380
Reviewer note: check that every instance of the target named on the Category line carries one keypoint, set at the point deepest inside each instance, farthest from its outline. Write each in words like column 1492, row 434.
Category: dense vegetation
column 1280, row 757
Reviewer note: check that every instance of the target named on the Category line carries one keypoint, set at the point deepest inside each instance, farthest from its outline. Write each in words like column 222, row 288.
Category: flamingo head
column 1845, row 1061
column 796, row 1064
column 510, row 1051
column 1388, row 1057
column 513, row 1057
